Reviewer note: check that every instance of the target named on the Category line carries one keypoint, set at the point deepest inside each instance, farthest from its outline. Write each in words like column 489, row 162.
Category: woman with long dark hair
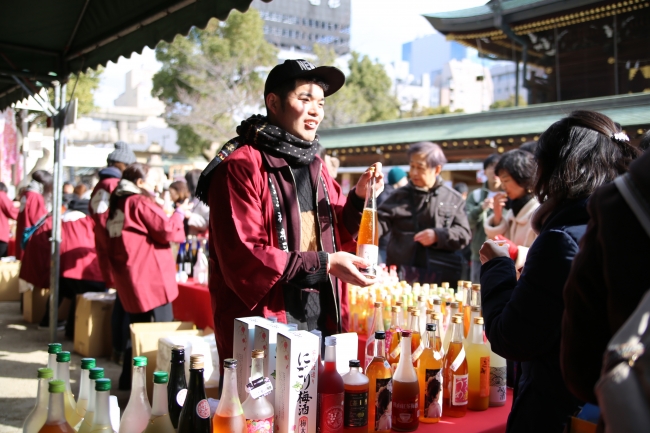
column 523, row 318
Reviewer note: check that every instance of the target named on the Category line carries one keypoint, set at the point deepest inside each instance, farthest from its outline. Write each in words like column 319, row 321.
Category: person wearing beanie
column 121, row 156
column 396, row 179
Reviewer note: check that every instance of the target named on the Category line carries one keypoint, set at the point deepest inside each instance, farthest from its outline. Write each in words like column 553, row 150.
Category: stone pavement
column 23, row 350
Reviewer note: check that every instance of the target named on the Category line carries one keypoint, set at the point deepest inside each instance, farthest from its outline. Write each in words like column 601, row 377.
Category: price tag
column 259, row 387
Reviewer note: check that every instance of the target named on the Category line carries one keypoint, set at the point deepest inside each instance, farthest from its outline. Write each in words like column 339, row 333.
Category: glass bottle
column 84, row 385
column 461, row 294
column 476, row 295
column 368, row 238
column 474, row 313
column 52, row 350
column 377, row 325
column 87, row 423
column 355, row 406
column 393, row 337
column 406, row 391
column 102, row 417
column 330, row 393
column 229, row 417
column 498, row 378
column 478, row 362
column 417, row 345
column 258, row 411
column 160, row 422
column 38, row 415
column 56, row 421
column 453, row 310
column 422, row 308
column 180, row 258
column 177, row 385
column 430, row 378
column 455, row 373
column 138, row 410
column 437, row 318
column 380, row 377
column 63, row 373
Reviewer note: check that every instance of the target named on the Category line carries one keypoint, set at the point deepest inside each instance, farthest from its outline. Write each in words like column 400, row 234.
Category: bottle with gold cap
column 138, row 410
column 417, row 345
column 229, row 417
column 380, row 376
column 478, row 362
column 430, row 378
column 453, row 310
column 422, row 308
column 476, row 295
column 56, row 420
column 377, row 325
column 393, row 337
column 195, row 415
column 160, row 422
column 258, row 411
column 94, row 374
column 455, row 374
column 437, row 318
column 38, row 415
column 63, row 373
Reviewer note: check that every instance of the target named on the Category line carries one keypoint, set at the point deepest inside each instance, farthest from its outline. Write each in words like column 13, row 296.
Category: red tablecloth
column 193, row 305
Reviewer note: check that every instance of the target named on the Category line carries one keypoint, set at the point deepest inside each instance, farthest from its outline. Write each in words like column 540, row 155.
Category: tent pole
column 59, row 118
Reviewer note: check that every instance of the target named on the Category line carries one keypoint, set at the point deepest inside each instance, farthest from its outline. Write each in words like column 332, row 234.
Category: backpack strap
column 634, row 200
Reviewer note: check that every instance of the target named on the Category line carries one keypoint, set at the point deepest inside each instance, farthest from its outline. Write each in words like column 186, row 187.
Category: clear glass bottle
column 258, row 412
column 393, row 337
column 102, row 417
column 229, row 417
column 498, row 378
column 368, row 238
column 355, row 399
column 177, row 386
column 455, row 373
column 138, row 410
column 476, row 295
column 330, row 393
column 478, row 362
column 53, row 349
column 84, row 385
column 38, row 415
column 63, row 373
column 377, row 325
column 160, row 422
column 406, row 391
column 430, row 378
column 380, row 377
column 56, row 420
column 87, row 423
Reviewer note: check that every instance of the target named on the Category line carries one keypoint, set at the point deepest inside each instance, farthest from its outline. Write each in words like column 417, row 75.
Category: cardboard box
column 266, row 337
column 296, row 396
column 92, row 324
column 243, row 339
column 9, row 281
column 35, row 302
column 347, row 349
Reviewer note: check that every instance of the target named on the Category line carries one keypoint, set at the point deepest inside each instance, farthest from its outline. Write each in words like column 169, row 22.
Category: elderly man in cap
column 279, row 224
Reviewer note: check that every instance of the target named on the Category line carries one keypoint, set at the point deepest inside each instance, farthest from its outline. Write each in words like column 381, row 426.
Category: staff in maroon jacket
column 7, row 211
column 32, row 205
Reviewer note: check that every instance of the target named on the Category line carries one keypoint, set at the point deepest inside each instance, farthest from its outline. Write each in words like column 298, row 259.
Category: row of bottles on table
column 191, row 260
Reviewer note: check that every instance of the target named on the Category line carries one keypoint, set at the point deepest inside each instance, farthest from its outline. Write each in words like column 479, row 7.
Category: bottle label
column 396, row 352
column 384, row 395
column 433, row 393
column 203, row 409
column 180, row 397
column 356, row 409
column 459, row 392
column 370, row 253
column 331, row 412
column 259, row 387
column 459, row 360
column 417, row 352
column 405, row 411
column 498, row 384
column 484, row 383
column 259, row 425
column 187, row 267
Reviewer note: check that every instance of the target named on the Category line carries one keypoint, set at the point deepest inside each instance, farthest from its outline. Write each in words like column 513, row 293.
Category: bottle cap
column 230, row 363
column 56, row 386
column 454, row 304
column 431, row 326
column 436, row 316
column 45, row 373
column 96, row 373
column 160, row 377
column 54, row 348
column 140, row 361
column 355, row 363
column 63, row 357
column 178, row 349
column 395, row 309
column 380, row 335
column 330, row 341
column 437, row 302
column 476, row 309
column 257, row 353
column 478, row 320
column 430, row 312
column 87, row 363
column 196, row 361
column 415, row 312
column 456, row 319
column 410, row 309
column 378, row 304
column 103, row 384
column 445, row 285
column 476, row 287
column 420, row 298
column 406, row 333
column 468, row 284
column 460, row 283
column 398, row 303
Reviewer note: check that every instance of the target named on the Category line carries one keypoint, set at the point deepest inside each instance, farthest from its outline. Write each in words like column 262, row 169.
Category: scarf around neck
column 126, row 187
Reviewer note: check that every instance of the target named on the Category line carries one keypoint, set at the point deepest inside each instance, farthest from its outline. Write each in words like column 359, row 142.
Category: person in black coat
column 523, row 318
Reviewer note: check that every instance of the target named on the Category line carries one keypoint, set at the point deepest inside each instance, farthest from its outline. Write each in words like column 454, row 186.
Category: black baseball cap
column 294, row 69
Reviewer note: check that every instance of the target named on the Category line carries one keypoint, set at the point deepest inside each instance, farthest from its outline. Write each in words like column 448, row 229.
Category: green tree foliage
column 212, row 77
column 510, row 102
column 417, row 111
column 85, row 91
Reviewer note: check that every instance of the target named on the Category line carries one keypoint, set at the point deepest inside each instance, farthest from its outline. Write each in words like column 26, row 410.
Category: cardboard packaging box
column 9, row 281
column 296, row 396
column 35, row 302
column 266, row 336
column 243, row 340
column 92, row 324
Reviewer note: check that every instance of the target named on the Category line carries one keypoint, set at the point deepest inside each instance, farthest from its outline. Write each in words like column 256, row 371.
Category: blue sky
column 378, row 29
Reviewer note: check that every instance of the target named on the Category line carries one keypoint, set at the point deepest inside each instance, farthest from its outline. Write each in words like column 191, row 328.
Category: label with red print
column 259, row 425
column 203, row 409
column 460, row 389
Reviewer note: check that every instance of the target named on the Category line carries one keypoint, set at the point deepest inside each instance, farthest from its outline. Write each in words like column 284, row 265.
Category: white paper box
column 296, row 395
column 347, row 349
column 193, row 344
column 266, row 335
column 243, row 338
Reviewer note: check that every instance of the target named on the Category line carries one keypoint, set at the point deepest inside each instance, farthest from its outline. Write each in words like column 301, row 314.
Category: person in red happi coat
column 32, row 205
column 7, row 211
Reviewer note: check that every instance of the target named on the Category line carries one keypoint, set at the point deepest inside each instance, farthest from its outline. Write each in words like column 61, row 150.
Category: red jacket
column 32, row 208
column 140, row 256
column 98, row 207
column 7, row 210
column 248, row 270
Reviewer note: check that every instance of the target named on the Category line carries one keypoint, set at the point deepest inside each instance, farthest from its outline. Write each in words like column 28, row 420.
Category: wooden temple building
column 595, row 55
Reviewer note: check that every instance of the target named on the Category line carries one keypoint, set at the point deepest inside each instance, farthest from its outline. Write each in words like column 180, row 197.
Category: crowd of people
column 546, row 235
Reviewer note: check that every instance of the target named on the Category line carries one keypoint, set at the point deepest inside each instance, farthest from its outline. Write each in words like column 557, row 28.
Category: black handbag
column 441, row 265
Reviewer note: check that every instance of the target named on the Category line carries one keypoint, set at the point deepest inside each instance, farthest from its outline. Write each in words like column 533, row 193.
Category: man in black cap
column 279, row 224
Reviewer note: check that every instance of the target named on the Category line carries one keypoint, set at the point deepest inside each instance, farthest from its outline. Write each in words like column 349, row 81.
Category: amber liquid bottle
column 56, row 420
column 406, row 391
column 455, row 373
column 393, row 338
column 380, row 377
column 430, row 378
column 330, row 393
column 377, row 325
column 229, row 416
column 355, row 412
column 478, row 362
column 368, row 239
column 467, row 310
column 417, row 345
column 437, row 318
